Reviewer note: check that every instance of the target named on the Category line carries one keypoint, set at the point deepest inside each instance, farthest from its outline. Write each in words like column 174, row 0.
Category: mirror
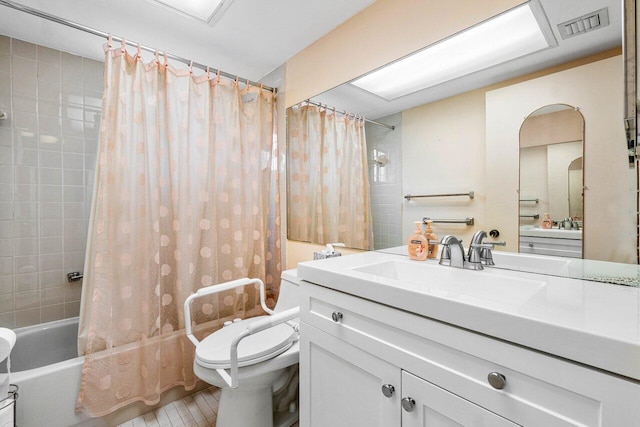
column 551, row 182
column 444, row 141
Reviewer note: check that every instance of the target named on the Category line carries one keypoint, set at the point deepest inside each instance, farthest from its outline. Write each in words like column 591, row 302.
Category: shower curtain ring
column 218, row 76
column 110, row 41
column 123, row 45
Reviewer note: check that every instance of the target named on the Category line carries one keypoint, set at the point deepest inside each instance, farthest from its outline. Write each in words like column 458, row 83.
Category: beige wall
column 443, row 146
column 594, row 88
column 383, row 32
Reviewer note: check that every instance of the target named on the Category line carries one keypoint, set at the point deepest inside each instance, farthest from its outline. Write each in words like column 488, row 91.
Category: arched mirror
column 551, row 182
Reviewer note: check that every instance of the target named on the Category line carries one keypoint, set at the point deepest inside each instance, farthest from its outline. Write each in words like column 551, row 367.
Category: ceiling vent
column 585, row 23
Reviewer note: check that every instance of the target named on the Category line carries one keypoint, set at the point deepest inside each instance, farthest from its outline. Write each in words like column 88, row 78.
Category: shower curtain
column 328, row 182
column 186, row 196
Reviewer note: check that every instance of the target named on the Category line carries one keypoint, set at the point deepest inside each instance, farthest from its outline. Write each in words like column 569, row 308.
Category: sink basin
column 489, row 286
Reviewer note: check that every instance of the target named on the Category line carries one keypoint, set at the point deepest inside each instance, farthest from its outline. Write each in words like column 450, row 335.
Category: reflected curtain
column 186, row 197
column 328, row 183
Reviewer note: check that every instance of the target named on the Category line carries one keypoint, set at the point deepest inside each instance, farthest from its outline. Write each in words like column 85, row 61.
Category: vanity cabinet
column 365, row 363
column 568, row 248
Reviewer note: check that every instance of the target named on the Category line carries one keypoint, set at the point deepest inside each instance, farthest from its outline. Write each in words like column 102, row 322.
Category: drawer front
column 539, row 389
column 568, row 248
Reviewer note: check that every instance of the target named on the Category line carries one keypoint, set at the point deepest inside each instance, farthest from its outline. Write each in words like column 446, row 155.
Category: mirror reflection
column 551, row 182
column 463, row 135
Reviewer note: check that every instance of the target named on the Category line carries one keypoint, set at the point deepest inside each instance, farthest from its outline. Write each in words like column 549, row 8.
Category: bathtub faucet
column 74, row 276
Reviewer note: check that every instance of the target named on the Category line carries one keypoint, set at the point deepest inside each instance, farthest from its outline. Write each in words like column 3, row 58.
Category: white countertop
column 596, row 324
column 554, row 233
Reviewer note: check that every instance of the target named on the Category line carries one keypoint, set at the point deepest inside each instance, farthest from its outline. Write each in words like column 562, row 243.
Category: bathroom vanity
column 386, row 341
column 554, row 241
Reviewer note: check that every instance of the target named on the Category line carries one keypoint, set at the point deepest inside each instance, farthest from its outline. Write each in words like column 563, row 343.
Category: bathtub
column 46, row 368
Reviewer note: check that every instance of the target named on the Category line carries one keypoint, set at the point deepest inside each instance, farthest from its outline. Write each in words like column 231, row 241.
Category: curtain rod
column 102, row 34
column 317, row 104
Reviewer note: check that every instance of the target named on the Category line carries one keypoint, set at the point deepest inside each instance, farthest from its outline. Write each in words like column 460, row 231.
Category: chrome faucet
column 478, row 256
column 452, row 252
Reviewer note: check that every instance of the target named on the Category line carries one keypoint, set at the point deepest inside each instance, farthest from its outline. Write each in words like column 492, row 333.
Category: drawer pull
column 388, row 390
column 336, row 316
column 408, row 404
column 497, row 380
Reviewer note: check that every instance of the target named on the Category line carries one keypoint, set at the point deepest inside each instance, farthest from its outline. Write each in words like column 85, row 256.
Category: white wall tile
column 51, row 210
column 71, row 69
column 47, row 55
column 48, row 107
column 25, row 228
column 49, row 90
column 51, row 244
column 48, row 72
column 49, row 125
column 25, row 157
column 25, row 193
column 27, row 246
column 74, row 243
column 73, row 161
column 52, row 261
column 50, row 176
column 23, row 49
column 72, row 127
column 7, row 304
column 24, row 76
column 51, row 227
column 5, row 63
column 72, row 144
column 24, row 103
column 6, row 193
column 6, row 139
column 26, row 282
column 25, row 120
column 50, row 159
column 52, row 295
column 52, row 279
column 26, row 175
column 26, row 211
column 25, row 138
column 6, row 248
column 6, row 155
column 51, row 193
column 73, row 194
column 74, row 227
column 74, row 261
column 6, row 211
column 5, row 44
column 6, row 266
column 25, row 264
column 6, row 285
column 50, row 313
column 73, row 177
column 27, row 317
column 6, row 229
column 72, row 95
column 74, row 210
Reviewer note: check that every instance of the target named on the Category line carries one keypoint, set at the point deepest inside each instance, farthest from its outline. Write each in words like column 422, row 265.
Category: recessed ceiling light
column 207, row 11
column 508, row 36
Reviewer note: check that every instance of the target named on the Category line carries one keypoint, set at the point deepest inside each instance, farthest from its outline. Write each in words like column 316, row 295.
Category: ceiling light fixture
column 510, row 35
column 209, row 11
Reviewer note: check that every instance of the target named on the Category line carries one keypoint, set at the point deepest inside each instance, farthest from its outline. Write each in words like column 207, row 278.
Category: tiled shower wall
column 48, row 147
column 385, row 181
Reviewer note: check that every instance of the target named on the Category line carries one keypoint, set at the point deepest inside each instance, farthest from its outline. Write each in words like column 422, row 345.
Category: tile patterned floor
column 198, row 410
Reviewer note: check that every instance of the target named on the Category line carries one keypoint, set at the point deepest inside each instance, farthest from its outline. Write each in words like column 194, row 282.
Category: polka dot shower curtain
column 328, row 182
column 186, row 197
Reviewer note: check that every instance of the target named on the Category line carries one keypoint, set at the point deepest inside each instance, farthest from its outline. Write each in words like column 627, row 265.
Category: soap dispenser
column 432, row 247
column 547, row 222
column 418, row 244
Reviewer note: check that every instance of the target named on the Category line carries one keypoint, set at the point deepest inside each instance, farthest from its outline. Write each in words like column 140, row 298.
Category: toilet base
column 234, row 410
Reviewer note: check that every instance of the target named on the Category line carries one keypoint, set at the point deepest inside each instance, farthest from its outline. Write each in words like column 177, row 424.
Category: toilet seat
column 214, row 351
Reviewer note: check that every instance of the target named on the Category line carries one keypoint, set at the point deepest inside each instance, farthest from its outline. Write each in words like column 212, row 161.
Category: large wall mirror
column 463, row 136
column 551, row 182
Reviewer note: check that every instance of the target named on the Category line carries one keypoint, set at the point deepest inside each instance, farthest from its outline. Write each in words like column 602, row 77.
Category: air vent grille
column 589, row 22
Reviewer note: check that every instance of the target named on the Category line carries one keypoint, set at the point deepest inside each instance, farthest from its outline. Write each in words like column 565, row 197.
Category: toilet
column 264, row 346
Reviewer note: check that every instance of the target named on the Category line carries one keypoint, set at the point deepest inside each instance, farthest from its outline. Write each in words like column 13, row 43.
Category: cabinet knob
column 336, row 316
column 388, row 390
column 408, row 403
column 497, row 380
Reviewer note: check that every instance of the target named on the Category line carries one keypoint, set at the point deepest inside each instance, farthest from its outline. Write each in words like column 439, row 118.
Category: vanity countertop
column 554, row 233
column 597, row 324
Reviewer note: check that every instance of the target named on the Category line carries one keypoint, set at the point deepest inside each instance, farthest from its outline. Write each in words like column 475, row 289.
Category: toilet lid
column 214, row 351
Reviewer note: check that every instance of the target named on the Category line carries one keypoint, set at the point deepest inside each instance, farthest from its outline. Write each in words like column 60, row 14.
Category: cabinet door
column 425, row 404
column 341, row 385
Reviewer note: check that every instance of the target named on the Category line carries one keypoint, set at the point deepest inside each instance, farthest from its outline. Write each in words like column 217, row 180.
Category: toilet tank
column 289, row 291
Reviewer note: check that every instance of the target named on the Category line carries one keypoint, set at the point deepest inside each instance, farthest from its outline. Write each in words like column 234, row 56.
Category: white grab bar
column 260, row 325
column 214, row 289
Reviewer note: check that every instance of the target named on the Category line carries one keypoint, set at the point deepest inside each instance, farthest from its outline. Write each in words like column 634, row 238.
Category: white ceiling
column 350, row 98
column 251, row 39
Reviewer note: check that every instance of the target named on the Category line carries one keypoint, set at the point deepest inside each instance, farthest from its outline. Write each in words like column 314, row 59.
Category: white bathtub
column 45, row 366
